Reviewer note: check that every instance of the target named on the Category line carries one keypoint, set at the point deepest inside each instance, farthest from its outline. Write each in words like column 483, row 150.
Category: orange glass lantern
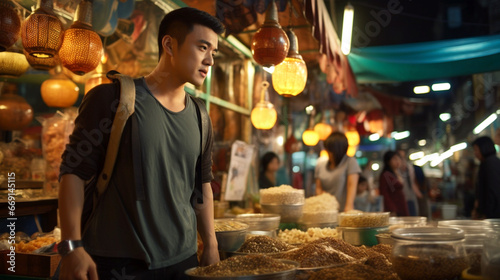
column 13, row 64
column 42, row 32
column 270, row 44
column 15, row 112
column 10, row 25
column 310, row 137
column 323, row 129
column 264, row 115
column 82, row 47
column 352, row 137
column 59, row 91
column 290, row 76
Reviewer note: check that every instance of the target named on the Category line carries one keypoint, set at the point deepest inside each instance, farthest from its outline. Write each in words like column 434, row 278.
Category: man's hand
column 78, row 265
column 209, row 256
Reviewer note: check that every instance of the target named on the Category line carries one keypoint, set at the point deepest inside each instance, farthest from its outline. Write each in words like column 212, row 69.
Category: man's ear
column 167, row 44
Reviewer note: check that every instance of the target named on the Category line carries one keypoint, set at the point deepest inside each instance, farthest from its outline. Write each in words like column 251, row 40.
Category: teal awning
column 429, row 60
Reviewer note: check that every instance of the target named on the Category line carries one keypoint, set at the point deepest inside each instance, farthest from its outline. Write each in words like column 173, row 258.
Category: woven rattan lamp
column 270, row 43
column 42, row 32
column 42, row 63
column 12, row 64
column 10, row 25
column 82, row 47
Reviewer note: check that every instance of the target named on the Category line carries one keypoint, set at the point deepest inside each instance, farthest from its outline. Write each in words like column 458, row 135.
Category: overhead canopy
column 429, row 60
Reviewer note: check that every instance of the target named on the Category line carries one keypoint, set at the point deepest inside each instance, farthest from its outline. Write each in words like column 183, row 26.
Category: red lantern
column 10, row 25
column 270, row 43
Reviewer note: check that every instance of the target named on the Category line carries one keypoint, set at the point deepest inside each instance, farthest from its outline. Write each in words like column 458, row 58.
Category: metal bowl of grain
column 358, row 236
column 247, row 267
column 230, row 234
column 260, row 221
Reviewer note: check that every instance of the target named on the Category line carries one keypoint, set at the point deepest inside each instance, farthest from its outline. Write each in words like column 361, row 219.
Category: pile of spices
column 353, row 272
column 246, row 265
column 228, row 225
column 340, row 245
column 317, row 255
column 384, row 249
column 264, row 244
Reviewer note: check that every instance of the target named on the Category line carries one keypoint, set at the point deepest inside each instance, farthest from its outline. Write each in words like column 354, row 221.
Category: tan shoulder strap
column 124, row 111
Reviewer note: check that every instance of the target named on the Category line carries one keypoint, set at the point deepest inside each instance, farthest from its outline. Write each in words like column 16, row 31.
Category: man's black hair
column 178, row 23
column 485, row 145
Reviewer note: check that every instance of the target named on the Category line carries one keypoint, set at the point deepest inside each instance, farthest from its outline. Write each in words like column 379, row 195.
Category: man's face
column 192, row 59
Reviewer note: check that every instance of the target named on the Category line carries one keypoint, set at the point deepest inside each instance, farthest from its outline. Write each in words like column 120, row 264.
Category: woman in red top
column 391, row 186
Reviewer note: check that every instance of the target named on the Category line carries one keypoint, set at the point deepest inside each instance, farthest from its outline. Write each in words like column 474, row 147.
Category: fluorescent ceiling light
column 280, row 140
column 441, row 157
column 441, row 86
column 416, row 155
column 400, row 135
column 422, row 142
column 421, row 89
column 458, row 147
column 485, row 123
column 445, row 116
column 374, row 137
column 269, row 69
column 345, row 44
column 375, row 166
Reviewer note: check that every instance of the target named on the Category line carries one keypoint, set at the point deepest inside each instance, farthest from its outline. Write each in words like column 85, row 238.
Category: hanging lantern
column 270, row 43
column 310, row 137
column 82, row 47
column 43, row 64
column 264, row 115
column 352, row 137
column 351, row 151
column 374, row 122
column 323, row 129
column 290, row 76
column 323, row 153
column 59, row 91
column 15, row 112
column 42, row 32
column 10, row 25
column 13, row 64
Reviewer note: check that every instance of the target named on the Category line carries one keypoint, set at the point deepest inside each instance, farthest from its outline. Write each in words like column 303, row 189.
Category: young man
column 146, row 230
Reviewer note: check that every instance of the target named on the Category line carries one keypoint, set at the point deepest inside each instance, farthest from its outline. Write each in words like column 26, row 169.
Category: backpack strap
column 203, row 121
column 125, row 109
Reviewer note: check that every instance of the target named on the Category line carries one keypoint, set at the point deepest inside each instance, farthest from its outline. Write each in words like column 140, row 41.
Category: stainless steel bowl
column 260, row 222
column 282, row 275
column 231, row 240
column 385, row 238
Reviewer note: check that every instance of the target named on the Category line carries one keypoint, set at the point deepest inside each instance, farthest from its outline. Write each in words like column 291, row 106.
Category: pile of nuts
column 296, row 236
column 264, row 244
column 283, row 194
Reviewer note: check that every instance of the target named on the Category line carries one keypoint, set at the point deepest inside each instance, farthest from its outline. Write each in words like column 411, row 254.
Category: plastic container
column 407, row 221
column 490, row 259
column 364, row 219
column 260, row 222
column 429, row 253
column 320, row 217
column 448, row 211
column 289, row 213
column 358, row 236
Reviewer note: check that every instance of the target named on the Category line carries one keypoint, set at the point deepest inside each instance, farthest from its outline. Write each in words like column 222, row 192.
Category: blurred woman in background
column 391, row 186
column 339, row 174
column 269, row 165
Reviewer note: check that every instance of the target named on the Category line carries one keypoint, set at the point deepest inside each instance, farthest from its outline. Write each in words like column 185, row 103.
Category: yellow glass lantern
column 42, row 32
column 352, row 137
column 290, row 76
column 323, row 129
column 351, row 151
column 82, row 49
column 310, row 137
column 270, row 44
column 59, row 91
column 264, row 115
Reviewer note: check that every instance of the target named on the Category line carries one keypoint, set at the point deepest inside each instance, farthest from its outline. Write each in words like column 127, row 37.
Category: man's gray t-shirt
column 161, row 230
column 334, row 181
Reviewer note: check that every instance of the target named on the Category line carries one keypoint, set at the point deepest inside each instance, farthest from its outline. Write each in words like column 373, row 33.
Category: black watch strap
column 67, row 246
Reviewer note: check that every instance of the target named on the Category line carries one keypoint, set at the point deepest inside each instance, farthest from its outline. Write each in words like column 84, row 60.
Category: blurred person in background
column 391, row 185
column 487, row 204
column 423, row 186
column 338, row 174
column 410, row 189
column 269, row 165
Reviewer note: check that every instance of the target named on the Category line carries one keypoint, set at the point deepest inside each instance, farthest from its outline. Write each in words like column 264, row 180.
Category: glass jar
column 407, row 221
column 475, row 233
column 428, row 253
column 490, row 259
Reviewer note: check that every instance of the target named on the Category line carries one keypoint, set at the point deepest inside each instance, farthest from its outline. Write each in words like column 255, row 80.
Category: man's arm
column 77, row 264
column 205, row 223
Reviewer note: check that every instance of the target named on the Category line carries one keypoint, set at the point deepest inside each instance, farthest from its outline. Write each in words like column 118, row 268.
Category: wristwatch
column 67, row 246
